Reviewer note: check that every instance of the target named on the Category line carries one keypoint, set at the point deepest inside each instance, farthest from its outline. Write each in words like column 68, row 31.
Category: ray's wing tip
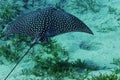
column 91, row 33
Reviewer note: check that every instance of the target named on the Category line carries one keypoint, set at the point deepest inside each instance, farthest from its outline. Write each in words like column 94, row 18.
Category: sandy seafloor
column 105, row 45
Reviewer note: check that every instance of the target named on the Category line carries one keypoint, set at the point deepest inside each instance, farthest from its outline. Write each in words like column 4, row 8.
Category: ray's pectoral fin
column 86, row 29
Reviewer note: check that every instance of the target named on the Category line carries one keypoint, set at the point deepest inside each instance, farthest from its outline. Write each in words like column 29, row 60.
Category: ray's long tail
column 19, row 61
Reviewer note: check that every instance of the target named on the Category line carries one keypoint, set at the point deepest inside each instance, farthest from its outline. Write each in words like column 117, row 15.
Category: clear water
column 69, row 56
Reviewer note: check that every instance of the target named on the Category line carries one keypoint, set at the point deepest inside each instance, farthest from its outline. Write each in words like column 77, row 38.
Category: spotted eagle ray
column 43, row 24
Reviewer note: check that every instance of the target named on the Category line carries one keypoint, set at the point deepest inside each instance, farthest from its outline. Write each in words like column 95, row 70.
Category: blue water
column 89, row 50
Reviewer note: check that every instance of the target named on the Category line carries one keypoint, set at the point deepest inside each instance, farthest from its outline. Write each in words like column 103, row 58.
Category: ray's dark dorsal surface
column 45, row 23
